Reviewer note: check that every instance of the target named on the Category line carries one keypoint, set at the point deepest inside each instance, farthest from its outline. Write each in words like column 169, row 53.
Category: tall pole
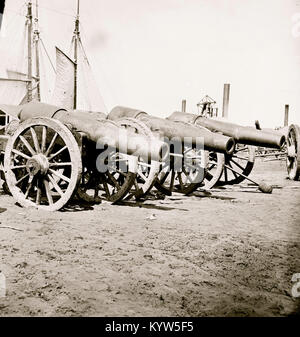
column 226, row 100
column 286, row 115
column 37, row 56
column 183, row 109
column 76, row 43
column 29, row 32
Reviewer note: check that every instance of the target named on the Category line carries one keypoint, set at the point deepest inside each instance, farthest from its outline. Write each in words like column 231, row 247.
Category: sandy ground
column 229, row 253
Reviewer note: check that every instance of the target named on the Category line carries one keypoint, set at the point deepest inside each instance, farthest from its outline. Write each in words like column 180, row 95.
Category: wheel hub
column 37, row 164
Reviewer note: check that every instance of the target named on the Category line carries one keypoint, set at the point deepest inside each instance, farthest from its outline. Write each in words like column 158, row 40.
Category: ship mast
column 37, row 55
column 29, row 32
column 76, row 39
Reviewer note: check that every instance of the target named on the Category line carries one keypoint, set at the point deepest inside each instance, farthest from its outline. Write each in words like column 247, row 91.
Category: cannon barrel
column 98, row 129
column 242, row 134
column 173, row 129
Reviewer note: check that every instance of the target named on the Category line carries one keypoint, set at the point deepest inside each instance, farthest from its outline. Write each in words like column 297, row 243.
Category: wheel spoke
column 184, row 171
column 20, row 154
column 61, row 176
column 238, row 165
column 44, row 139
column 18, row 167
column 55, row 185
column 28, row 190
column 106, row 188
column 188, row 177
column 51, row 145
column 114, row 181
column 35, row 140
column 164, row 177
column 48, row 192
column 241, row 158
column 136, row 185
column 58, row 153
column 22, row 179
column 60, row 164
column 28, row 146
column 234, row 173
column 209, row 176
column 141, row 175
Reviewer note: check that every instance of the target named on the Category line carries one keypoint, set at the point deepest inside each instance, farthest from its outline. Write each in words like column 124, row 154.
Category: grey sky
column 151, row 54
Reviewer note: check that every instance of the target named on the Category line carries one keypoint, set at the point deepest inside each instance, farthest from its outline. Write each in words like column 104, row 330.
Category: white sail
column 12, row 74
column 63, row 94
column 12, row 91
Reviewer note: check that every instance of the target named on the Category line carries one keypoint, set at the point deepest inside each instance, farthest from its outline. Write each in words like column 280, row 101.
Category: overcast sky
column 150, row 54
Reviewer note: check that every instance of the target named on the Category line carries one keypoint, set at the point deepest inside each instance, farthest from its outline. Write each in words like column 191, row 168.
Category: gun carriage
column 185, row 171
column 232, row 168
column 53, row 154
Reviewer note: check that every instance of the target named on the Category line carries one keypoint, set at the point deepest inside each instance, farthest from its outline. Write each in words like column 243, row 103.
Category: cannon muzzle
column 188, row 134
column 242, row 134
column 98, row 129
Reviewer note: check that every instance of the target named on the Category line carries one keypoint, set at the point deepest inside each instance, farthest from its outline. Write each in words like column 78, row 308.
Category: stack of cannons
column 53, row 157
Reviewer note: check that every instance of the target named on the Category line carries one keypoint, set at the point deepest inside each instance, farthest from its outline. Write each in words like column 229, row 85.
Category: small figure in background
column 206, row 107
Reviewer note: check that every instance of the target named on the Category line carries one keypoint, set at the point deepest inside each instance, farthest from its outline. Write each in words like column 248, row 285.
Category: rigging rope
column 56, row 11
column 45, row 49
column 92, row 80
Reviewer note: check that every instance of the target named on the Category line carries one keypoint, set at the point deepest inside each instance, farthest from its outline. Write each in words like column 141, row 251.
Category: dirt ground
column 229, row 252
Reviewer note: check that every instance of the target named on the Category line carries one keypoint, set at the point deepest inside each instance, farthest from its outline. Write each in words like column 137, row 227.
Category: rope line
column 42, row 43
column 56, row 11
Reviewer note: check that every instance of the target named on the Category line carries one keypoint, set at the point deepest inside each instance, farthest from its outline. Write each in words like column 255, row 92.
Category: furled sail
column 63, row 94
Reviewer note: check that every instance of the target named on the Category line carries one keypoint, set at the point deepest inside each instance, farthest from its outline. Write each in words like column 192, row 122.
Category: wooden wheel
column 184, row 174
column 147, row 171
column 241, row 161
column 293, row 152
column 214, row 170
column 112, row 183
column 42, row 164
column 112, row 186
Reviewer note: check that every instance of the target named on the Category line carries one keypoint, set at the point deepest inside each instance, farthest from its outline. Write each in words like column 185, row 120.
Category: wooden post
column 76, row 36
column 226, row 100
column 286, row 115
column 183, row 109
column 37, row 56
column 29, row 32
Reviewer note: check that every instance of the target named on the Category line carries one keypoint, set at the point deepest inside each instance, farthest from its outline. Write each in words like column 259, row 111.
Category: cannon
column 232, row 168
column 53, row 154
column 242, row 134
column 185, row 172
